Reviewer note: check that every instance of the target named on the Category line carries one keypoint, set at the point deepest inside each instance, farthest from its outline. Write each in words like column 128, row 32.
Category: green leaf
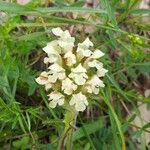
column 70, row 9
column 3, row 82
column 12, row 7
column 15, row 8
column 31, row 36
column 89, row 128
column 140, row 11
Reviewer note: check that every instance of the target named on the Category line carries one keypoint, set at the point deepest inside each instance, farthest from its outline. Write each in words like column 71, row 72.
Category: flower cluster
column 73, row 72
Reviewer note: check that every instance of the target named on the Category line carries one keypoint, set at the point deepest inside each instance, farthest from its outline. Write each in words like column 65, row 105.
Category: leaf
column 3, row 82
column 15, row 8
column 114, row 83
column 70, row 9
column 115, row 117
column 31, row 36
column 140, row 11
column 90, row 128
column 22, row 143
column 12, row 7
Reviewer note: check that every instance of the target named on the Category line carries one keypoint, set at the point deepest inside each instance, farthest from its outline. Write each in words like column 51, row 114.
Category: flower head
column 70, row 74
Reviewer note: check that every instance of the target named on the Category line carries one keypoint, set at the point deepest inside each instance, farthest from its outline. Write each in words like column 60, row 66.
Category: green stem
column 67, row 135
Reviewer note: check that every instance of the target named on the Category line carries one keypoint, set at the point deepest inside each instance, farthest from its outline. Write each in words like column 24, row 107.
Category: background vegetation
column 118, row 28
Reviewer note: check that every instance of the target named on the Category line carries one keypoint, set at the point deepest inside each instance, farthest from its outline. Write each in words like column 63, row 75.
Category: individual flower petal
column 87, row 43
column 80, row 101
column 101, row 72
column 71, row 58
column 48, row 86
column 56, row 68
column 56, row 98
column 78, row 74
column 79, row 69
column 96, row 64
column 93, row 85
column 97, row 54
column 52, row 48
column 57, row 31
column 68, row 86
column 43, row 78
column 51, row 59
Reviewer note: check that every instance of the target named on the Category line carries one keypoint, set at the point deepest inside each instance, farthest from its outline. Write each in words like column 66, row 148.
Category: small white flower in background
column 69, row 77
column 80, row 101
column 56, row 98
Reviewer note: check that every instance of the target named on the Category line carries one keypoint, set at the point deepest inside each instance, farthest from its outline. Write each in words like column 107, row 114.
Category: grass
column 26, row 120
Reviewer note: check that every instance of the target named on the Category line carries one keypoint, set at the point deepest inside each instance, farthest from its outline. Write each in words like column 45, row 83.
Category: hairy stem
column 66, row 139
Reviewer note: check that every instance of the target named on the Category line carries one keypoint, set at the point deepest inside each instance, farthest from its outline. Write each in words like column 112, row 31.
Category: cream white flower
column 96, row 64
column 56, row 98
column 79, row 75
column 101, row 72
column 43, row 80
column 97, row 54
column 48, row 86
column 65, row 41
column 68, row 86
column 57, row 31
column 71, row 58
column 56, row 72
column 53, row 50
column 99, row 66
column 49, row 60
column 80, row 101
column 83, row 48
column 93, row 85
column 68, row 73
column 87, row 43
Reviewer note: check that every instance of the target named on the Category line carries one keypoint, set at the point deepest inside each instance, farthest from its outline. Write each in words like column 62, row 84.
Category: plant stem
column 67, row 135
